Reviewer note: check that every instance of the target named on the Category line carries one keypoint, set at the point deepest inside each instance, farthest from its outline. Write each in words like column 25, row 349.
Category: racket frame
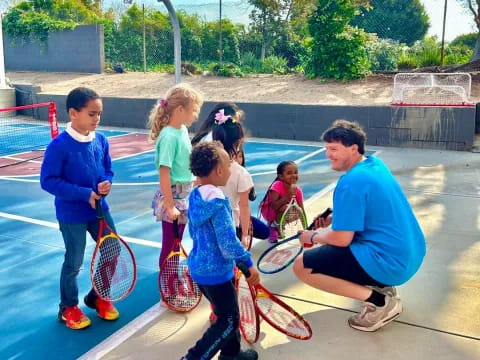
column 181, row 253
column 268, row 252
column 303, row 217
column 251, row 289
column 261, row 291
column 103, row 225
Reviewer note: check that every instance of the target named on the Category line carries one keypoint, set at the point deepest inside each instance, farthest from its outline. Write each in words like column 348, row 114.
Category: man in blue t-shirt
column 375, row 241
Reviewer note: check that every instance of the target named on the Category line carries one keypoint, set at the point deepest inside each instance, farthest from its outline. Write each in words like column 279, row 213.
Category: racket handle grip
column 243, row 268
column 98, row 208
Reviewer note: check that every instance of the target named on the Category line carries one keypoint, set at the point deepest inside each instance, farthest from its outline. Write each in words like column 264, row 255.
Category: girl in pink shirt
column 279, row 195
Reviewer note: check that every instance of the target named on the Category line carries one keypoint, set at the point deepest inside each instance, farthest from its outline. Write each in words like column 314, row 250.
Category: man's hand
column 93, row 196
column 305, row 238
column 254, row 277
column 104, row 187
column 322, row 222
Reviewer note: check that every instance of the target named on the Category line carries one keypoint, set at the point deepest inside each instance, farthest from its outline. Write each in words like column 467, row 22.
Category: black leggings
column 223, row 335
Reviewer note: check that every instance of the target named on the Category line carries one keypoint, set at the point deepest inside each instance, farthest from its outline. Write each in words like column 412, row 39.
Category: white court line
column 132, row 155
column 123, row 334
column 55, row 226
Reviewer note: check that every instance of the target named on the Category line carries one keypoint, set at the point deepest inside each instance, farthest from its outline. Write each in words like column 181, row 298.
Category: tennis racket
column 250, row 236
column 113, row 269
column 278, row 314
column 249, row 319
column 177, row 288
column 293, row 220
column 284, row 253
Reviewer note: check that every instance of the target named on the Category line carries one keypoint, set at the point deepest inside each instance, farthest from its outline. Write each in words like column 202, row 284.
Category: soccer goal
column 431, row 89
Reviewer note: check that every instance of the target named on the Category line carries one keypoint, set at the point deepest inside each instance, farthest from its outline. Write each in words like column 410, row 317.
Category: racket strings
column 248, row 317
column 114, row 269
column 284, row 319
column 280, row 256
column 292, row 222
column 176, row 284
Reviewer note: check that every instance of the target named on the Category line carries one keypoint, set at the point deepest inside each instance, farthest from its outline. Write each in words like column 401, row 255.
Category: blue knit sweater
column 71, row 170
column 216, row 247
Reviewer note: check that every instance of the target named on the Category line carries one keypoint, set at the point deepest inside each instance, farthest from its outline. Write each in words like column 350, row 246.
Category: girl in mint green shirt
column 168, row 123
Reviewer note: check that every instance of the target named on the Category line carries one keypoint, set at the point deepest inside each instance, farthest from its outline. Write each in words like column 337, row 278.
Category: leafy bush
column 468, row 40
column 226, row 69
column 383, row 54
column 406, row 63
column 457, row 55
column 275, row 65
column 250, row 63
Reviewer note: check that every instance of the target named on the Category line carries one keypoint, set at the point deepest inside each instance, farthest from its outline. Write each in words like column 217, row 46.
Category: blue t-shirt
column 388, row 242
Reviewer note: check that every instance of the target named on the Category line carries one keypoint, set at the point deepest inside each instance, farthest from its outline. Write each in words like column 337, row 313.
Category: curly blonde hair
column 179, row 95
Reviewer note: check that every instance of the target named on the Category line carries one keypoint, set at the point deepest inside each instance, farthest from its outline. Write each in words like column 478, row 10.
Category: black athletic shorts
column 337, row 262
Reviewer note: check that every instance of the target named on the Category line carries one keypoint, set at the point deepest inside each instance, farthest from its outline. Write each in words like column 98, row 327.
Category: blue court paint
column 38, row 137
column 31, row 255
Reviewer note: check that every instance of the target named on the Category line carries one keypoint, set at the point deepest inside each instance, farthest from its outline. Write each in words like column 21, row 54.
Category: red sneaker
column 73, row 317
column 104, row 308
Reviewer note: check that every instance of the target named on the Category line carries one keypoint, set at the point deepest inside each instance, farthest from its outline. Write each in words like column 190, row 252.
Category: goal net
column 431, row 89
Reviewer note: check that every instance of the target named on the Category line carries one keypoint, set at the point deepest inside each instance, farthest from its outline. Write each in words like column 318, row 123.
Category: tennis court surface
column 442, row 303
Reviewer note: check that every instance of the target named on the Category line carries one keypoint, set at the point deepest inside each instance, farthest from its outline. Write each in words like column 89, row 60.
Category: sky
column 459, row 20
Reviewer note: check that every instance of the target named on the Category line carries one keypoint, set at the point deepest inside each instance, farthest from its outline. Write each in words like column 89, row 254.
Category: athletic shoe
column 373, row 317
column 104, row 308
column 73, row 317
column 249, row 354
column 387, row 290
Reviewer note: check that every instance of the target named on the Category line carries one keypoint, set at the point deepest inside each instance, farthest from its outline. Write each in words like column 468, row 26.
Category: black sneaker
column 249, row 354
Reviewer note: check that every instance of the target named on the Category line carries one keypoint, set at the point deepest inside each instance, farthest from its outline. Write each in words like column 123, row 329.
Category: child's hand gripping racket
column 284, row 253
column 177, row 288
column 249, row 321
column 113, row 270
column 278, row 314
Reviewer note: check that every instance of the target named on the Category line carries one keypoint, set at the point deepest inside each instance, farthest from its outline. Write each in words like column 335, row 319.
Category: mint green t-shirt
column 173, row 151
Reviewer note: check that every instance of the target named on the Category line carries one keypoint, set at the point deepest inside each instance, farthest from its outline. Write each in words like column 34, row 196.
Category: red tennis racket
column 113, row 270
column 249, row 319
column 278, row 314
column 177, row 288
column 281, row 316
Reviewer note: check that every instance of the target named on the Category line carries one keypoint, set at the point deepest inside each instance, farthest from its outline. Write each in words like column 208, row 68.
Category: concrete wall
column 448, row 128
column 80, row 50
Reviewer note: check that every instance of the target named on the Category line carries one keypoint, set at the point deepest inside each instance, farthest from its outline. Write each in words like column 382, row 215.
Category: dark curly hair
column 79, row 97
column 347, row 133
column 205, row 157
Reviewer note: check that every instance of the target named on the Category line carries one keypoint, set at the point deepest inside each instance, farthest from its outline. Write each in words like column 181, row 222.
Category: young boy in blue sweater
column 216, row 250
column 77, row 170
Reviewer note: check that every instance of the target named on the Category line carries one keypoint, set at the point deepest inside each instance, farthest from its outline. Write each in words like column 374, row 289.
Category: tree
column 474, row 7
column 403, row 20
column 338, row 50
column 265, row 18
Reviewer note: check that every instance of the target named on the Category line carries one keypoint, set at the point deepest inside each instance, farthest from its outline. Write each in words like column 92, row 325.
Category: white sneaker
column 373, row 317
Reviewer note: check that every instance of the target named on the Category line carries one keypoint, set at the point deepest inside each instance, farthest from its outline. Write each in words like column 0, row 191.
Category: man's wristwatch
column 311, row 238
